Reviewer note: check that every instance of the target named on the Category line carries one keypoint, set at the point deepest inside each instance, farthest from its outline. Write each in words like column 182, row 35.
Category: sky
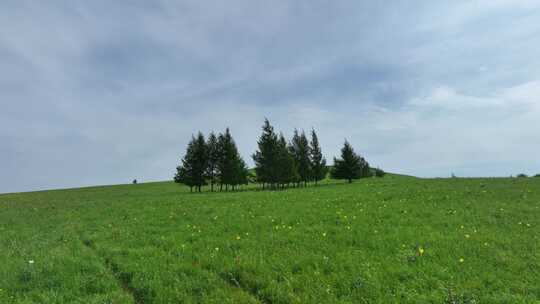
column 102, row 92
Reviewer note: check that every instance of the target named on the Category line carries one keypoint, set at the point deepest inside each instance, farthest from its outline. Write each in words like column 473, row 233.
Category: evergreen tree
column 301, row 153
column 366, row 169
column 214, row 154
column 194, row 164
column 318, row 162
column 225, row 166
column 231, row 167
column 350, row 165
column 294, row 176
column 241, row 172
column 286, row 165
column 266, row 158
column 380, row 172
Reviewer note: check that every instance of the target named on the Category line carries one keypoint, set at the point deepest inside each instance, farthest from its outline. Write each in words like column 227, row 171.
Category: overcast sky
column 101, row 92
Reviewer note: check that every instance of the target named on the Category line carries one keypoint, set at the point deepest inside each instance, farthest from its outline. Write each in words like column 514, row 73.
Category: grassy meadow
column 395, row 239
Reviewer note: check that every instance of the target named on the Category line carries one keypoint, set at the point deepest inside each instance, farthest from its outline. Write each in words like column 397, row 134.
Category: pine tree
column 213, row 159
column 225, row 168
column 184, row 172
column 241, row 172
column 318, row 162
column 231, row 167
column 286, row 165
column 350, row 165
column 194, row 164
column 366, row 169
column 301, row 154
column 380, row 172
column 266, row 158
column 294, row 176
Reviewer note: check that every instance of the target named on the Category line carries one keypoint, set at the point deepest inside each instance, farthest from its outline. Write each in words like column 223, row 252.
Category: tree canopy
column 318, row 162
column 300, row 151
column 278, row 163
column 266, row 157
column 350, row 166
column 194, row 164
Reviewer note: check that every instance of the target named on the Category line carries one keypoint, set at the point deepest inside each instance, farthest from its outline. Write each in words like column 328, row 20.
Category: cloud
column 99, row 92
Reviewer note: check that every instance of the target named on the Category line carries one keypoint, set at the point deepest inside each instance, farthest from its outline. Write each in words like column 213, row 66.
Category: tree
column 380, row 173
column 214, row 154
column 318, row 162
column 365, row 170
column 241, row 172
column 286, row 165
column 194, row 164
column 301, row 153
column 266, row 158
column 224, row 165
column 350, row 165
column 231, row 167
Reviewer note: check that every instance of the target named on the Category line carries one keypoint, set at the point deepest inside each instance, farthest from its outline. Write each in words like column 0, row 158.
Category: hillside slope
column 392, row 240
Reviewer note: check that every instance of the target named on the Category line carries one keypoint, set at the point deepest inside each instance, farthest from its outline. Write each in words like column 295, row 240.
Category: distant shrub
column 537, row 175
column 379, row 172
column 522, row 175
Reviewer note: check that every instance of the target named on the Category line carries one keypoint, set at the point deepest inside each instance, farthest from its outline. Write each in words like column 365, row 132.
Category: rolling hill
column 396, row 239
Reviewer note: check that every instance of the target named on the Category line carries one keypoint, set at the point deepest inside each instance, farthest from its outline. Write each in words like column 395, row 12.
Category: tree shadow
column 258, row 188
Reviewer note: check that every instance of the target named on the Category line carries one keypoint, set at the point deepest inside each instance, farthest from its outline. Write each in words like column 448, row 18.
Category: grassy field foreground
column 391, row 240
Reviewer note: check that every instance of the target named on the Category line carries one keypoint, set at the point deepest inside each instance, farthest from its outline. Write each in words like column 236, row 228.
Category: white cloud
column 101, row 92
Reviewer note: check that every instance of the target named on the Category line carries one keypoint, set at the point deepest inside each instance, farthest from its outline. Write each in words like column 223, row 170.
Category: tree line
column 278, row 163
column 215, row 160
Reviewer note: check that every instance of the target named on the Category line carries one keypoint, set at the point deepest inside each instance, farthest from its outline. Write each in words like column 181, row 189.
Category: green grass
column 336, row 243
